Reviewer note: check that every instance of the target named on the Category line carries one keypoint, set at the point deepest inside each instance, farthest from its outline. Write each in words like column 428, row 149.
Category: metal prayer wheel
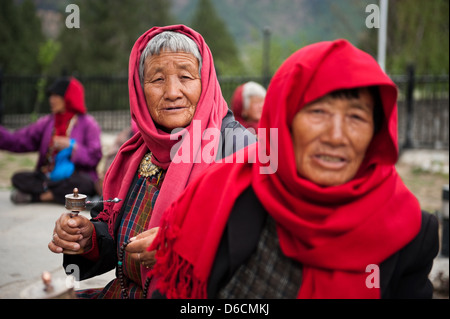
column 50, row 288
column 75, row 203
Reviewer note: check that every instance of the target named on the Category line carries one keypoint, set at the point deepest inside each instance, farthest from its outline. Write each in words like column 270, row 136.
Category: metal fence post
column 266, row 57
column 1, row 99
column 445, row 219
column 409, row 107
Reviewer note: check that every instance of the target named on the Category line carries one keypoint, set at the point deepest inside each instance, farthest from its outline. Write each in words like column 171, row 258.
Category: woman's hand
column 61, row 142
column 137, row 248
column 71, row 233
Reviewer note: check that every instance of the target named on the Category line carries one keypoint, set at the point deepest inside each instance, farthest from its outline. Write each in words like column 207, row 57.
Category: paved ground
column 25, row 231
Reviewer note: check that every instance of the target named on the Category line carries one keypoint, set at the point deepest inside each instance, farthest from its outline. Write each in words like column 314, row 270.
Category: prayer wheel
column 75, row 203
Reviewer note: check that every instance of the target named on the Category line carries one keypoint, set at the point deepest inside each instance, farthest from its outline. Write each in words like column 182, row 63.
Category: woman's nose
column 173, row 88
column 336, row 129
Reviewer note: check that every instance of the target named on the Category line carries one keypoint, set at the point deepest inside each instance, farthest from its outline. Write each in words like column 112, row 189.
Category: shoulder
column 86, row 117
column 43, row 123
column 405, row 274
column 234, row 136
column 44, row 120
column 88, row 120
column 229, row 124
column 427, row 240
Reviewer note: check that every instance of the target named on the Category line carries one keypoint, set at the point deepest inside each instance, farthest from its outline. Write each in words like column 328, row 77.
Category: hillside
column 289, row 20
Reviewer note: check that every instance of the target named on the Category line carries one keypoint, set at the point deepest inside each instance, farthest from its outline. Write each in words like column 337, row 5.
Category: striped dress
column 137, row 215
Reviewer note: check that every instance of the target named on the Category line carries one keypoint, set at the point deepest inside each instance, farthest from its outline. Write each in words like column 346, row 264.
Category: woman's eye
column 358, row 117
column 317, row 111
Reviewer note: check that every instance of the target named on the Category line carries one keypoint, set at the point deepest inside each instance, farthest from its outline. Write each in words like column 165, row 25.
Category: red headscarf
column 73, row 93
column 210, row 111
column 237, row 104
column 334, row 232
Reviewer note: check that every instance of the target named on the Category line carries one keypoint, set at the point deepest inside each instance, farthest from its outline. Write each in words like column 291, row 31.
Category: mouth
column 174, row 108
column 330, row 161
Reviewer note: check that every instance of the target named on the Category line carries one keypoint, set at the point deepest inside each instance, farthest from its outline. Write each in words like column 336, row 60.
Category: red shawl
column 334, row 232
column 211, row 109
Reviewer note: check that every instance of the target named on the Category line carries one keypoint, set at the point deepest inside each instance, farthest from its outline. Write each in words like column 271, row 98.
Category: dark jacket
column 403, row 275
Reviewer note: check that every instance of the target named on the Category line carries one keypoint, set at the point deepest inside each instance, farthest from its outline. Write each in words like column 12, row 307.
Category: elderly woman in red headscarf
column 68, row 142
column 247, row 104
column 184, row 125
column 332, row 220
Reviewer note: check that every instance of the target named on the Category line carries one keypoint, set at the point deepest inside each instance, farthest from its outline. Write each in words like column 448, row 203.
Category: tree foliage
column 108, row 30
column 208, row 23
column 418, row 34
column 20, row 37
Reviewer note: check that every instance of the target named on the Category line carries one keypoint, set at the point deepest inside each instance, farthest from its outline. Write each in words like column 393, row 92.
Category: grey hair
column 251, row 89
column 169, row 41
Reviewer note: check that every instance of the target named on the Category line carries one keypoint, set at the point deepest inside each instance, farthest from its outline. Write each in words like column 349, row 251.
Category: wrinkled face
column 331, row 136
column 254, row 111
column 172, row 88
column 57, row 103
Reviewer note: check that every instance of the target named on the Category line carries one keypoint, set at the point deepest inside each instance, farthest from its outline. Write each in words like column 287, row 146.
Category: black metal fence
column 423, row 104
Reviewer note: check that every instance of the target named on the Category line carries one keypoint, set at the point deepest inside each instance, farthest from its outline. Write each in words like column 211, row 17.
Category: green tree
column 207, row 22
column 20, row 37
column 418, row 34
column 47, row 52
column 108, row 30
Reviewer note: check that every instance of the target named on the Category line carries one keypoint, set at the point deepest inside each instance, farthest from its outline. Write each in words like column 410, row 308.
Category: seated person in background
column 332, row 220
column 247, row 104
column 68, row 142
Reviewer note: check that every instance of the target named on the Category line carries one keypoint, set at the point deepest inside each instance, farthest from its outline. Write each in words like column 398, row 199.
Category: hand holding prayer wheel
column 72, row 233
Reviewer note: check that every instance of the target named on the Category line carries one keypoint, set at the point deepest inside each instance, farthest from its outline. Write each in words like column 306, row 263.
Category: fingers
column 148, row 233
column 145, row 258
column 68, row 233
column 137, row 248
column 61, row 142
column 53, row 247
column 57, row 245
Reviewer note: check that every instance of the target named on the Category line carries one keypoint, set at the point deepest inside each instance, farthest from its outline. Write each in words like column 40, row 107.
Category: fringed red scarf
column 334, row 232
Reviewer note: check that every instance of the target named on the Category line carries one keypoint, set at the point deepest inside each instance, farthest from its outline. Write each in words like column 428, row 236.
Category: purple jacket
column 37, row 136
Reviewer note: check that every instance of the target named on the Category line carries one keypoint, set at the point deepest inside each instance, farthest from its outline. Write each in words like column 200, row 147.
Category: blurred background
column 249, row 40
column 43, row 39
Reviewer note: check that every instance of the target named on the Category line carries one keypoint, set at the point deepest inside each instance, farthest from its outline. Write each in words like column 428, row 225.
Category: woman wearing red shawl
column 174, row 92
column 68, row 142
column 332, row 220
column 247, row 104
